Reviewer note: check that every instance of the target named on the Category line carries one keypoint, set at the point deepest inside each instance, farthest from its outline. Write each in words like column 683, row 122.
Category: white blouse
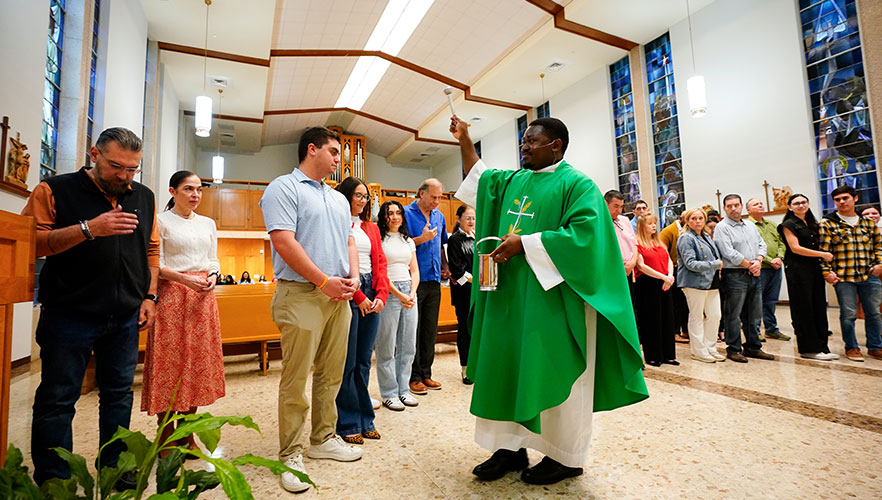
column 363, row 245
column 398, row 254
column 187, row 244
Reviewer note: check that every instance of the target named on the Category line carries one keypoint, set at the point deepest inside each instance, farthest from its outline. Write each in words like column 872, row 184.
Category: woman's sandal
column 354, row 439
column 374, row 434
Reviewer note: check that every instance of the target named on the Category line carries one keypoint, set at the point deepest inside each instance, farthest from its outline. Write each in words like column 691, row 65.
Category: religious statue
column 18, row 163
column 781, row 196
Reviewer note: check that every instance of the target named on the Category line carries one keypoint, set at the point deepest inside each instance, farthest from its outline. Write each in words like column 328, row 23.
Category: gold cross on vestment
column 522, row 213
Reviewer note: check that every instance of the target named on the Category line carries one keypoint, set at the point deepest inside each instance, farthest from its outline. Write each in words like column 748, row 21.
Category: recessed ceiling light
column 396, row 25
column 555, row 66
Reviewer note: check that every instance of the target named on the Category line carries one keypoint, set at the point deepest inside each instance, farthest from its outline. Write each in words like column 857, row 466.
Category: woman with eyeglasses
column 805, row 282
column 184, row 346
column 355, row 412
column 460, row 253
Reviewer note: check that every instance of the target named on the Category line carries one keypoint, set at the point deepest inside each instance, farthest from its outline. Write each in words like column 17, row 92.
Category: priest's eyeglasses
column 531, row 144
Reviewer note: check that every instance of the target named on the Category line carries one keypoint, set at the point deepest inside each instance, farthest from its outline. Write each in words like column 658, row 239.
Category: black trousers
column 461, row 297
column 808, row 308
column 681, row 309
column 655, row 314
column 428, row 303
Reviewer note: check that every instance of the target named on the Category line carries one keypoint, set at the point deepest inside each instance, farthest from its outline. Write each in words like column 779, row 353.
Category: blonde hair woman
column 698, row 275
column 655, row 306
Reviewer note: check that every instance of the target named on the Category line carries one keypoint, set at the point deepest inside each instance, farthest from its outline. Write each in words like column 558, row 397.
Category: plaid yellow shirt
column 855, row 249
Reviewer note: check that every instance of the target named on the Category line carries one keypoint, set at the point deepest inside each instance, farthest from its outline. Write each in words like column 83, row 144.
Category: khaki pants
column 314, row 335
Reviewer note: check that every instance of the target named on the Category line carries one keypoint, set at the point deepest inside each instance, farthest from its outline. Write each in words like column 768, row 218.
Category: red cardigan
column 380, row 281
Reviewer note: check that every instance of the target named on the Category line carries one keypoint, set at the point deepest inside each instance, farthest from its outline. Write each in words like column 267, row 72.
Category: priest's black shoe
column 549, row 471
column 502, row 462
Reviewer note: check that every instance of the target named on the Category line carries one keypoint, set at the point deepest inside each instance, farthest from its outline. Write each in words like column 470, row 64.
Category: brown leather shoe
column 875, row 353
column 418, row 388
column 736, row 357
column 854, row 355
column 431, row 384
column 759, row 354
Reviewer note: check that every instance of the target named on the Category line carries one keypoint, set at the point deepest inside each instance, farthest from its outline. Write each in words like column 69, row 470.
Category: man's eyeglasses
column 118, row 167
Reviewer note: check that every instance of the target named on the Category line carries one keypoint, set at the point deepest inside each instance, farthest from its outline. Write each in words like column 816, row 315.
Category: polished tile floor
column 784, row 429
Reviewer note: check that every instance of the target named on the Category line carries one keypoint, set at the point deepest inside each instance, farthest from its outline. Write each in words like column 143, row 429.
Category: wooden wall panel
column 255, row 214
column 237, row 255
column 233, row 209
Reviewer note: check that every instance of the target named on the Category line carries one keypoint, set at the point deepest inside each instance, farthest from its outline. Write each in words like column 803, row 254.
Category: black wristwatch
column 152, row 296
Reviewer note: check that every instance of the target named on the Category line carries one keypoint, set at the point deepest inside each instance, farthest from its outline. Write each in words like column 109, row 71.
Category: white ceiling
column 497, row 47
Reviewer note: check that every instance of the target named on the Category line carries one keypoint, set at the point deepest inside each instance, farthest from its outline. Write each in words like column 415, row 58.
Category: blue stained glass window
column 626, row 137
column 838, row 95
column 90, row 114
column 543, row 111
column 665, row 129
column 52, row 89
column 522, row 128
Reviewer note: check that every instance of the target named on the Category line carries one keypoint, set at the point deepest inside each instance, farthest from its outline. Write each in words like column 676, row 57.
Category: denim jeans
column 870, row 294
column 66, row 344
column 743, row 310
column 355, row 413
column 770, row 283
column 396, row 344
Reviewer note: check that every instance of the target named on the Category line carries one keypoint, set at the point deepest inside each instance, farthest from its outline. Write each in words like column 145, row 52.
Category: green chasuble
column 529, row 345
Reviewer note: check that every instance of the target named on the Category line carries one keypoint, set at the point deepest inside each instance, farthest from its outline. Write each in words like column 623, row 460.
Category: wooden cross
column 766, row 187
column 5, row 126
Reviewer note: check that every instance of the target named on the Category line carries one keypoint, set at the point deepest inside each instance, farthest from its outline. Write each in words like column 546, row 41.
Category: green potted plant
column 173, row 481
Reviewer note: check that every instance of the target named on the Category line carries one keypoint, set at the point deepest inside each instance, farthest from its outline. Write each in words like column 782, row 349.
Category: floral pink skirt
column 184, row 344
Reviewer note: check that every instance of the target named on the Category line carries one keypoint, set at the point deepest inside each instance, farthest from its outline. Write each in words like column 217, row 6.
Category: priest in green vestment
column 557, row 340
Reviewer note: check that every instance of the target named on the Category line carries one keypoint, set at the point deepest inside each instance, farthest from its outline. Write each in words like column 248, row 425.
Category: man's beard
column 111, row 188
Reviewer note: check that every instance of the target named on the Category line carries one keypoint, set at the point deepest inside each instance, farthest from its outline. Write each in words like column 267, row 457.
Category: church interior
column 675, row 102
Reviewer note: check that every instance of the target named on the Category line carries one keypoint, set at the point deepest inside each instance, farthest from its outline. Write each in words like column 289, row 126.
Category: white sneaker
column 290, row 482
column 375, row 403
column 408, row 399
column 822, row 356
column 717, row 356
column 393, row 404
column 335, row 449
column 704, row 359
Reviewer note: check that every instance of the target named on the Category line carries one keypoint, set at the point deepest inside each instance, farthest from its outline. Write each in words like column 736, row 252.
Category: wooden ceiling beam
column 214, row 54
column 562, row 23
column 416, row 68
column 358, row 112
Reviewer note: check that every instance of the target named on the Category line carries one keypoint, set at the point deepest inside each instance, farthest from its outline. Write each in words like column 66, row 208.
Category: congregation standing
column 347, row 288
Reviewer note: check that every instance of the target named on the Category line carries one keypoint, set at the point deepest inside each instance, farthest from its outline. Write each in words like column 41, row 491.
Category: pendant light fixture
column 217, row 161
column 695, row 85
column 203, row 102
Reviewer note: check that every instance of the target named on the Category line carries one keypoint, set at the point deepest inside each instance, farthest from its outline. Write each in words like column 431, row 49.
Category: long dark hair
column 243, row 276
column 810, row 219
column 176, row 179
column 347, row 188
column 383, row 223
column 459, row 211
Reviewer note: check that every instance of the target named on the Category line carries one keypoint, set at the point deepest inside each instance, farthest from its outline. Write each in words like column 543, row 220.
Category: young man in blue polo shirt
column 429, row 230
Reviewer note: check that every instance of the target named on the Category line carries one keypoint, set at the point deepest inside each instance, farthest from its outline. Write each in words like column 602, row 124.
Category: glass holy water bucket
column 487, row 270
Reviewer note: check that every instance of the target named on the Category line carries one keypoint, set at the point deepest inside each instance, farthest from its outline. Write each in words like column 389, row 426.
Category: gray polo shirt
column 738, row 241
column 318, row 216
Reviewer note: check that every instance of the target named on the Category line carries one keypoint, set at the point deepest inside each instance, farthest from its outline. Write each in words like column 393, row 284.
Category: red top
column 380, row 281
column 655, row 257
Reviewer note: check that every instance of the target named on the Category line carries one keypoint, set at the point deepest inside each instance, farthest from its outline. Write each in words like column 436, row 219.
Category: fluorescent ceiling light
column 217, row 168
column 396, row 25
column 203, row 116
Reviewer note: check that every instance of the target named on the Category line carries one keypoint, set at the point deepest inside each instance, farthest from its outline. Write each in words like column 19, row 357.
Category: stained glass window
column 626, row 137
column 52, row 89
column 665, row 129
column 838, row 95
column 90, row 114
column 543, row 111
column 522, row 128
